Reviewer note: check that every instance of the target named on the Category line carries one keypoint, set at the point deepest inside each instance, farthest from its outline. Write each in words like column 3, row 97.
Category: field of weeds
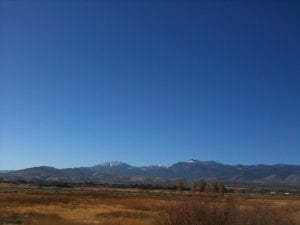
column 31, row 205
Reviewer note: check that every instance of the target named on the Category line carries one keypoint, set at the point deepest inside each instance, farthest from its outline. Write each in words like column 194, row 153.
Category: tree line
column 201, row 186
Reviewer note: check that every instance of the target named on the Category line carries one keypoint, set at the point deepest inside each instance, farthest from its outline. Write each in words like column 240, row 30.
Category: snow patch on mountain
column 113, row 164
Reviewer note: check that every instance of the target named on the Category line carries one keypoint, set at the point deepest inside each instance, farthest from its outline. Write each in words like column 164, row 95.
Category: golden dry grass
column 30, row 205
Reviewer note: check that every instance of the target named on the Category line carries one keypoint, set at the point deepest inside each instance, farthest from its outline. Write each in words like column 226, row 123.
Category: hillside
column 120, row 172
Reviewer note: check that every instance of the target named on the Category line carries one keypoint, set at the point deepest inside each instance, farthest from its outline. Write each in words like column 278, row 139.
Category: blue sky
column 148, row 82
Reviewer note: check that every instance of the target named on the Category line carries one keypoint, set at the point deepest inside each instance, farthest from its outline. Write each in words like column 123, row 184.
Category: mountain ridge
column 121, row 172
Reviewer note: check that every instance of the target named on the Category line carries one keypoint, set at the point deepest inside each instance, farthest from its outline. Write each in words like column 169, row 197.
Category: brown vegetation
column 30, row 205
column 223, row 213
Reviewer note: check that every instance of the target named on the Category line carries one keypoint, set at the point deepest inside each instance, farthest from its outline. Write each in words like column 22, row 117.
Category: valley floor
column 33, row 205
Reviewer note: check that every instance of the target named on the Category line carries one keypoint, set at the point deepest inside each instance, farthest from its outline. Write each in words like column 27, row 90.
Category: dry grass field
column 31, row 205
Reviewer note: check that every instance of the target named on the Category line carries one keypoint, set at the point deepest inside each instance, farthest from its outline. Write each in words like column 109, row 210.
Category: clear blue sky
column 148, row 82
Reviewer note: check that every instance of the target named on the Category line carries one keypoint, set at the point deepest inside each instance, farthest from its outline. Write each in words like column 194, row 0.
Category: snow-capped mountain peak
column 192, row 161
column 113, row 163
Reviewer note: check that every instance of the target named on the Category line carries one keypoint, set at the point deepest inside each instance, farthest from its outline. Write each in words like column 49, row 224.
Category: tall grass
column 221, row 213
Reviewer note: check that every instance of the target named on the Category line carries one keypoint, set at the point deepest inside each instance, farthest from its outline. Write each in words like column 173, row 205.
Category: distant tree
column 193, row 186
column 215, row 187
column 221, row 187
column 208, row 187
column 180, row 185
column 212, row 187
column 202, row 185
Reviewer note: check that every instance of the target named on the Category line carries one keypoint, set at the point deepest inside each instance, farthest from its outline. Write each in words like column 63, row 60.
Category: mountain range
column 119, row 172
